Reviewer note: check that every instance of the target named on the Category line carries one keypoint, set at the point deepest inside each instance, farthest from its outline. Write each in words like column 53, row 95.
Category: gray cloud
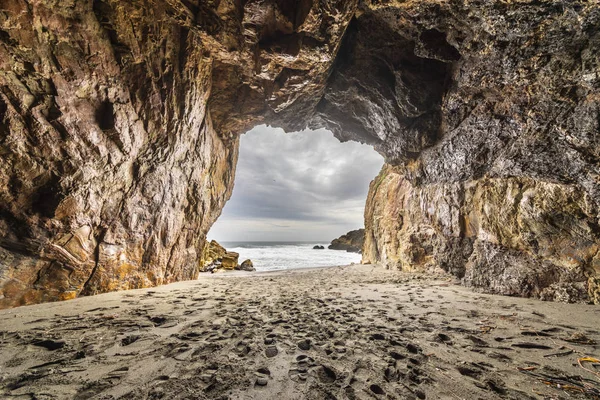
column 297, row 186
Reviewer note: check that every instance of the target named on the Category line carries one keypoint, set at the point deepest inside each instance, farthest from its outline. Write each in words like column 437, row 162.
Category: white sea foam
column 269, row 256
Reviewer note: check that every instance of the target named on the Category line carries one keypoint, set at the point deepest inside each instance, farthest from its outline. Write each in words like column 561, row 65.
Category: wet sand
column 352, row 332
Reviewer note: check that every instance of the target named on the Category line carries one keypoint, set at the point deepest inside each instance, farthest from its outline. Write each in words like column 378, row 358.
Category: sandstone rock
column 119, row 127
column 230, row 260
column 351, row 241
column 212, row 256
column 247, row 266
column 505, row 235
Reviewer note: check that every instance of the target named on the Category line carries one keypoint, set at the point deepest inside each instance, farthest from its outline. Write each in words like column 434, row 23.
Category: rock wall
column 112, row 171
column 507, row 197
column 119, row 126
column 514, row 236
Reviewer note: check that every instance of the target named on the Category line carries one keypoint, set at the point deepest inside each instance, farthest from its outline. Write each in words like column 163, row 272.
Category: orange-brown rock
column 230, row 260
column 213, row 251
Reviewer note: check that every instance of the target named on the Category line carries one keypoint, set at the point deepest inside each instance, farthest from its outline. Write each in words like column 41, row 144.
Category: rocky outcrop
column 111, row 169
column 513, row 236
column 507, row 197
column 247, row 265
column 352, row 241
column 318, row 247
column 216, row 257
column 230, row 260
column 212, row 256
column 119, row 126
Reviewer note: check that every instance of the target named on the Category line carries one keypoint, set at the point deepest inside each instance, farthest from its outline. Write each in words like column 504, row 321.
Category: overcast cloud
column 304, row 186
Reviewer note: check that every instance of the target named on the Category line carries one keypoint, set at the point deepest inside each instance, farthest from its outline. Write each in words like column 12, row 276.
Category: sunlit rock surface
column 119, row 126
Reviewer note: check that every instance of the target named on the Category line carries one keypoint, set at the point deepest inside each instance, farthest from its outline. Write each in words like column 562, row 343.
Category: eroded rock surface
column 514, row 236
column 507, row 198
column 119, row 126
column 112, row 171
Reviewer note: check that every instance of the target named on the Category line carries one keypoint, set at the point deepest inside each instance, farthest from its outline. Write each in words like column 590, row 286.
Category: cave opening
column 294, row 191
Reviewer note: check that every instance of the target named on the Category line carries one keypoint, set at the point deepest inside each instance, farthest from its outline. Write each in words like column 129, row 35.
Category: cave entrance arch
column 296, row 189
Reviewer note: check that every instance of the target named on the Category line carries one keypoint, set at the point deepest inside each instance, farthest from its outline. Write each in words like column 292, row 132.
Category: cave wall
column 512, row 236
column 112, row 171
column 507, row 197
column 119, row 127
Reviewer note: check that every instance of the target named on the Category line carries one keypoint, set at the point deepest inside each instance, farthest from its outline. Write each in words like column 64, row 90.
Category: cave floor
column 356, row 332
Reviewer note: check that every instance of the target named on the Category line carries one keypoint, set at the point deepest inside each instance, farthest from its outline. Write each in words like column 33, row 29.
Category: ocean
column 270, row 256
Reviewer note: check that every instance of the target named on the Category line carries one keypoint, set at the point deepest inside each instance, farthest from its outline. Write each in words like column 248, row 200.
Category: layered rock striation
column 119, row 126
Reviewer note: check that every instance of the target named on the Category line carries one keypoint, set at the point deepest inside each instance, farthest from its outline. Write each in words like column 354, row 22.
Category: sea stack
column 352, row 241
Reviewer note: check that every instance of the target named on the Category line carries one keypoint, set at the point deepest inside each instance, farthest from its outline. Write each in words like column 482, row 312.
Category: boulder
column 317, row 247
column 230, row 260
column 215, row 250
column 211, row 256
column 247, row 266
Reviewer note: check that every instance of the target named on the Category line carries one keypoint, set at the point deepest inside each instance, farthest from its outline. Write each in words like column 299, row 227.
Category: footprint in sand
column 299, row 369
column 262, row 376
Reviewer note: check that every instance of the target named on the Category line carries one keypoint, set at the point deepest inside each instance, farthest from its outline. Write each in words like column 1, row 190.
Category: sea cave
column 120, row 127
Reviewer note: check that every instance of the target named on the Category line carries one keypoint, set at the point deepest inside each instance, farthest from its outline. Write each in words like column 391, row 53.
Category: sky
column 300, row 186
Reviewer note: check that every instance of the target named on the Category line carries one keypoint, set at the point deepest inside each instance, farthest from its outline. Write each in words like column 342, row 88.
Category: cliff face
column 119, row 126
column 352, row 241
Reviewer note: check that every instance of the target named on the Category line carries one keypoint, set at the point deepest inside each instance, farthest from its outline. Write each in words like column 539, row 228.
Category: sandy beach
column 351, row 332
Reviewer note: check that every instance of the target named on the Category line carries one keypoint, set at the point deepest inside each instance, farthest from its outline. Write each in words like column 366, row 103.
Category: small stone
column 247, row 266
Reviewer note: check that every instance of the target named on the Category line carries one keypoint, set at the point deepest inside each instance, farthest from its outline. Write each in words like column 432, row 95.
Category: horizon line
column 274, row 241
